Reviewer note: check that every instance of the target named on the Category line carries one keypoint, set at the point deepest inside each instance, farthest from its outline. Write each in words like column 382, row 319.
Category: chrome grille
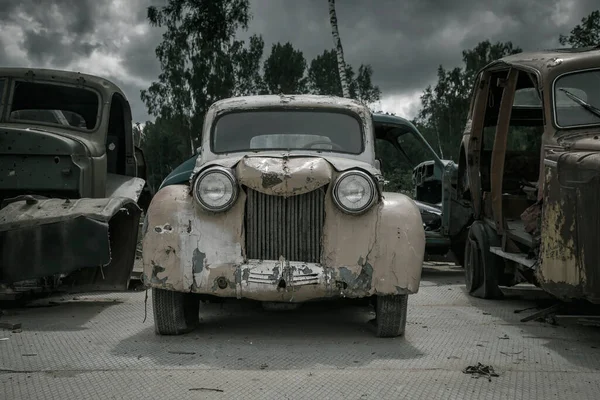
column 292, row 227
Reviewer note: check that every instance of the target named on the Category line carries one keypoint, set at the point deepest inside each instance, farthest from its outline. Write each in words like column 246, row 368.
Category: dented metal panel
column 24, row 213
column 48, row 237
column 124, row 186
column 283, row 176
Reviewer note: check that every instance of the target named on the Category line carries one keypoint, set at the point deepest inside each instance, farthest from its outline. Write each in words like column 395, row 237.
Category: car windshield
column 287, row 130
column 577, row 99
column 55, row 104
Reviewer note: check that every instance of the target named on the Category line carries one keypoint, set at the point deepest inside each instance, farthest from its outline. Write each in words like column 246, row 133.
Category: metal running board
column 516, row 257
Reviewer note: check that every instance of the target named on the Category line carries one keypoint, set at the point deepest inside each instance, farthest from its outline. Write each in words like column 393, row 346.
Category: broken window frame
column 4, row 84
column 84, row 131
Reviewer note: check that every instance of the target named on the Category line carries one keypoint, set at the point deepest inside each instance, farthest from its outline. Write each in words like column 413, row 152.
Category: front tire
column 390, row 313
column 174, row 312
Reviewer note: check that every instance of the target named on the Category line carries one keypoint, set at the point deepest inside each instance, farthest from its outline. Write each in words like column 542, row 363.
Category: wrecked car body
column 530, row 165
column 443, row 214
column 284, row 205
column 72, row 183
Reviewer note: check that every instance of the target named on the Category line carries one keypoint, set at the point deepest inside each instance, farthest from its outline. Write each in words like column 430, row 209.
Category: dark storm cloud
column 55, row 31
column 404, row 40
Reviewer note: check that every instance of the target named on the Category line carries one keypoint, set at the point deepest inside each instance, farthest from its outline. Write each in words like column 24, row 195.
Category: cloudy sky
column 404, row 40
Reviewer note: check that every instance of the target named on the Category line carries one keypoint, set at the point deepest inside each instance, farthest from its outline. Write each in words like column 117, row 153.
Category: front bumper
column 280, row 281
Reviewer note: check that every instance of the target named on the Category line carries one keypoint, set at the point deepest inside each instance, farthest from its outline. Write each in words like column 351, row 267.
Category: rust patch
column 270, row 179
column 306, row 270
column 198, row 260
column 360, row 282
column 246, row 274
column 170, row 250
column 157, row 269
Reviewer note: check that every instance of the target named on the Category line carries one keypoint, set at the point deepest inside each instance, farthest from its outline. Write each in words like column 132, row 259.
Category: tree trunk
column 339, row 50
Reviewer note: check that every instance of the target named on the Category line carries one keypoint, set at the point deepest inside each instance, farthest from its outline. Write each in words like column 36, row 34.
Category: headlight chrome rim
column 372, row 186
column 234, row 189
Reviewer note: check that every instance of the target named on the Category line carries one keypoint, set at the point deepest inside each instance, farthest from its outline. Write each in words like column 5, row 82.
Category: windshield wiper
column 582, row 103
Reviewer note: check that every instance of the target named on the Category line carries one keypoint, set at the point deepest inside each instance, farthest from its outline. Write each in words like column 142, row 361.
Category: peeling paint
column 198, row 260
column 270, row 179
column 157, row 269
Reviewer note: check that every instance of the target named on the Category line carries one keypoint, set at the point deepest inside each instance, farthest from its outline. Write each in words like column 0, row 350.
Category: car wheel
column 481, row 265
column 390, row 313
column 174, row 312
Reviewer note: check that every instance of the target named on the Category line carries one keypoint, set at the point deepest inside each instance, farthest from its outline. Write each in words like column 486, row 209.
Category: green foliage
column 163, row 150
column 585, row 34
column 199, row 58
column 284, row 70
column 324, row 79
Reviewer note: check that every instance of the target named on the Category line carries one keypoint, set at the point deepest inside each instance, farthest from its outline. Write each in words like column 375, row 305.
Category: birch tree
column 337, row 42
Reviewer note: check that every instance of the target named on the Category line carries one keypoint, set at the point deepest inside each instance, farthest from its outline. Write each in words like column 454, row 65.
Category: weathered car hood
column 284, row 173
column 282, row 176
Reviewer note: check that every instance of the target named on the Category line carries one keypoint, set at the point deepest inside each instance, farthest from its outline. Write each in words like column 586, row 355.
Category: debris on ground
column 186, row 353
column 264, row 366
column 206, row 389
column 511, row 354
column 524, row 309
column 481, row 370
column 10, row 325
column 505, row 337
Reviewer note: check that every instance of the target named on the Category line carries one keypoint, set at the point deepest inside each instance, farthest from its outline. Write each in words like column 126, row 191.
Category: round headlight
column 216, row 189
column 354, row 192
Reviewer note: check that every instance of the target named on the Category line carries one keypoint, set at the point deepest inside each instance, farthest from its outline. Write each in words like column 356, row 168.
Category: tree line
column 202, row 61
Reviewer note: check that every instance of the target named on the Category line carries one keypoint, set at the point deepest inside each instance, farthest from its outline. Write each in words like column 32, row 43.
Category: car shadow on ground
column 57, row 314
column 324, row 334
column 441, row 275
column 579, row 345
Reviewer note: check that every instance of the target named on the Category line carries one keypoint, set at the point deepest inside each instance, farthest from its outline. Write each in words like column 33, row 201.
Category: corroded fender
column 188, row 249
column 570, row 255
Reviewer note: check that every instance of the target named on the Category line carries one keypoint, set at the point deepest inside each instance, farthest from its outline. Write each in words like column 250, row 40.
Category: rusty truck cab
column 71, row 181
column 530, row 165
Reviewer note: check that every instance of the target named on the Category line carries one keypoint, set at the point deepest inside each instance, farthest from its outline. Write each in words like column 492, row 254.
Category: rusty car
column 284, row 205
column 530, row 166
column 72, row 183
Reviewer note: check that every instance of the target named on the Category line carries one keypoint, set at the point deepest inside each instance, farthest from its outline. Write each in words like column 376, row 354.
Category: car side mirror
column 199, row 150
column 378, row 164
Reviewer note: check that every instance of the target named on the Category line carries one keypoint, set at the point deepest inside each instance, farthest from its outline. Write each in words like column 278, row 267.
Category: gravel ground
column 97, row 346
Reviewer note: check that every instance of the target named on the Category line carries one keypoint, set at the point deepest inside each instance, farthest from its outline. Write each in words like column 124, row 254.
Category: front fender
column 389, row 240
column 178, row 243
